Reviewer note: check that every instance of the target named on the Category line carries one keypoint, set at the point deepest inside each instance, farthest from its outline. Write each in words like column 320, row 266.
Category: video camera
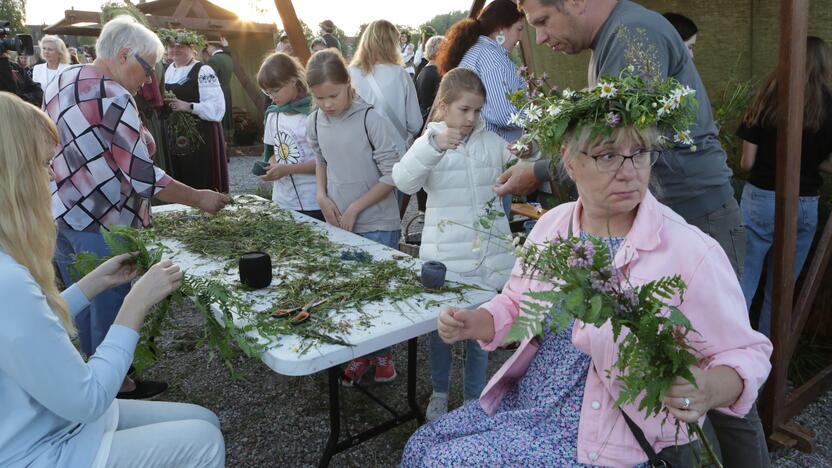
column 22, row 43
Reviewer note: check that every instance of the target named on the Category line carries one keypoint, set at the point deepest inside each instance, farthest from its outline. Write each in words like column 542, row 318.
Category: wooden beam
column 526, row 44
column 476, row 8
column 802, row 396
column 183, row 8
column 211, row 25
column 815, row 270
column 293, row 29
column 791, row 71
column 251, row 91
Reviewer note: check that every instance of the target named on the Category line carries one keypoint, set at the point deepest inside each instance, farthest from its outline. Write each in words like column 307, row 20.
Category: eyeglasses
column 269, row 94
column 148, row 69
column 612, row 162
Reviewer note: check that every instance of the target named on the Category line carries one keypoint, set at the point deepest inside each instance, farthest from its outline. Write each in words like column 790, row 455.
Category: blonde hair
column 379, row 44
column 453, row 84
column 58, row 43
column 578, row 140
column 27, row 229
column 278, row 69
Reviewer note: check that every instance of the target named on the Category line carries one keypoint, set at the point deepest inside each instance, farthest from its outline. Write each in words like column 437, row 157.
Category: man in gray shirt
column 694, row 180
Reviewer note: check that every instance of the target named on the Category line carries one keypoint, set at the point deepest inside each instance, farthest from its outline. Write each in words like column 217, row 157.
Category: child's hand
column 330, row 210
column 275, row 172
column 450, row 138
column 348, row 218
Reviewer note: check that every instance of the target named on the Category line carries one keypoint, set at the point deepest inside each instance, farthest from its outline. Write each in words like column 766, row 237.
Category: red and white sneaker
column 385, row 369
column 354, row 371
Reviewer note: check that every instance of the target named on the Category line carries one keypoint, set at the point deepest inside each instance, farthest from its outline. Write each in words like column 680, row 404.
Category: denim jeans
column 390, row 239
column 158, row 433
column 93, row 322
column 758, row 213
column 476, row 362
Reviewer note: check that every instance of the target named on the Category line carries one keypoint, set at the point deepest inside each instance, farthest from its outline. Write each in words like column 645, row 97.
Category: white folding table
column 393, row 323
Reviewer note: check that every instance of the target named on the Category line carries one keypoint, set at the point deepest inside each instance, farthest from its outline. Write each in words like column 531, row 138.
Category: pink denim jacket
column 660, row 243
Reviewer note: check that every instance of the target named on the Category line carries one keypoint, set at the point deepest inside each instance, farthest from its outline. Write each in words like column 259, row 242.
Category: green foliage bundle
column 183, row 123
column 225, row 339
column 651, row 332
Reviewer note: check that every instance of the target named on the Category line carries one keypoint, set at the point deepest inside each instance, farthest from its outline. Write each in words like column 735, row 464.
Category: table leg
column 333, row 444
column 412, row 371
column 334, row 416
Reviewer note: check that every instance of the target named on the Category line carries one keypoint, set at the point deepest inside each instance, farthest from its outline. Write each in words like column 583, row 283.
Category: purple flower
column 582, row 254
column 613, row 119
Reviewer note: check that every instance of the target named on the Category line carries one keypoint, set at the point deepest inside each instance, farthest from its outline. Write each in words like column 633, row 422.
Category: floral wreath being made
column 628, row 99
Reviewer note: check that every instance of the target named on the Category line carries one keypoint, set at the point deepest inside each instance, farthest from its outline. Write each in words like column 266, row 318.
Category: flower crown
column 182, row 36
column 615, row 102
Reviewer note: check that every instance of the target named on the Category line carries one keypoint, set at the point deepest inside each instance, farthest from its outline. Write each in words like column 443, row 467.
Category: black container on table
column 433, row 274
column 256, row 269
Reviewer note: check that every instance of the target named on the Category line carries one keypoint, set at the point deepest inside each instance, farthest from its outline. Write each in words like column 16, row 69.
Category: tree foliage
column 441, row 23
column 14, row 11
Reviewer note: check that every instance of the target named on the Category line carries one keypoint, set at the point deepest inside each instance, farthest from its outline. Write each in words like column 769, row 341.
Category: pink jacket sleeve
column 505, row 307
column 715, row 305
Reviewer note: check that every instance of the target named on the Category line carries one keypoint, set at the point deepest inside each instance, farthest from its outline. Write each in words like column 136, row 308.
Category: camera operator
column 13, row 78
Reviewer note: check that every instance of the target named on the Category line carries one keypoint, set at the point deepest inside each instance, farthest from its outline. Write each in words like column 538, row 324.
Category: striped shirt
column 491, row 62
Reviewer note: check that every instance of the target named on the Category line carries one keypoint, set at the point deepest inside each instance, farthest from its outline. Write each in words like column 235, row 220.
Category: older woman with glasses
column 553, row 403
column 104, row 172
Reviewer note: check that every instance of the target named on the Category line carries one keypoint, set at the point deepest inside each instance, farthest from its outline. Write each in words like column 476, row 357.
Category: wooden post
column 476, row 8
column 293, row 29
column 791, row 76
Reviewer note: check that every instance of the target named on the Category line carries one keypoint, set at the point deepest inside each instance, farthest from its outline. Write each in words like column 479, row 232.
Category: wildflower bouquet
column 183, row 126
column 651, row 332
column 626, row 100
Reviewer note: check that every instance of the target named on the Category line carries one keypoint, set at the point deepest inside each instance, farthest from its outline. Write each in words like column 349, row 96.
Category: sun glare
column 250, row 10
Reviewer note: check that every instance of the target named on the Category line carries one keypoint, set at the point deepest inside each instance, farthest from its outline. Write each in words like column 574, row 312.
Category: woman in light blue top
column 57, row 410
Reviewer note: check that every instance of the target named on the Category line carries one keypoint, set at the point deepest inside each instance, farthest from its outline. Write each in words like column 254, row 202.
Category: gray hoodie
column 357, row 149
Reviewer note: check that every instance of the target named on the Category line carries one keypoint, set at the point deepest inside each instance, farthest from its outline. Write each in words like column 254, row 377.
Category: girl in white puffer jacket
column 457, row 162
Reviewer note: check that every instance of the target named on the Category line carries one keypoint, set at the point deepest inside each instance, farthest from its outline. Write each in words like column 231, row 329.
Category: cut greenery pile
column 307, row 266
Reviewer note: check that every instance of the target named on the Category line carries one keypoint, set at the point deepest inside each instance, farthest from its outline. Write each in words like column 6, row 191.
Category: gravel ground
column 273, row 421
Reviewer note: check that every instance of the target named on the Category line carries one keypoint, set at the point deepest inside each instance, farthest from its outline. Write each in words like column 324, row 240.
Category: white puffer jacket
column 459, row 184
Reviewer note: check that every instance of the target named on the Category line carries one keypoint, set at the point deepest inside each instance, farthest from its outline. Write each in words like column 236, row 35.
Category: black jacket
column 13, row 79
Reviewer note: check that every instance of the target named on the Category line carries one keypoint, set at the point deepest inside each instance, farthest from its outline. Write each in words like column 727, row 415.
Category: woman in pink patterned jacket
column 552, row 403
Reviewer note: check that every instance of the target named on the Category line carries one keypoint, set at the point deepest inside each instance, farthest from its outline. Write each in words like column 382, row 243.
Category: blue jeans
column 390, row 239
column 758, row 212
column 476, row 362
column 93, row 322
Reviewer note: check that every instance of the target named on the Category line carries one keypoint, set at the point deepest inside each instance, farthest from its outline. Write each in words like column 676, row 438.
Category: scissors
column 298, row 314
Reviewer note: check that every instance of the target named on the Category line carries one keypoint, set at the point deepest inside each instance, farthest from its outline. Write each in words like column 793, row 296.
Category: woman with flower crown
column 553, row 403
column 198, row 158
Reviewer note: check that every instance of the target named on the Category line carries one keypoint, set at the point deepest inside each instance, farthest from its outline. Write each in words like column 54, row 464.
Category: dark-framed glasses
column 148, row 68
column 611, row 162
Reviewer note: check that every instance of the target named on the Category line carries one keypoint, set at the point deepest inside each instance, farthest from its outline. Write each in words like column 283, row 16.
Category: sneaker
column 145, row 390
column 437, row 406
column 385, row 369
column 354, row 371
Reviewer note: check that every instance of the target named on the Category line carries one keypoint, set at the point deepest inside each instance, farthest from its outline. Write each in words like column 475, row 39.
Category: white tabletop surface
column 392, row 323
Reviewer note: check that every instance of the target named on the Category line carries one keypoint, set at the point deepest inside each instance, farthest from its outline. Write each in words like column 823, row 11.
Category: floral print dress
column 536, row 423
